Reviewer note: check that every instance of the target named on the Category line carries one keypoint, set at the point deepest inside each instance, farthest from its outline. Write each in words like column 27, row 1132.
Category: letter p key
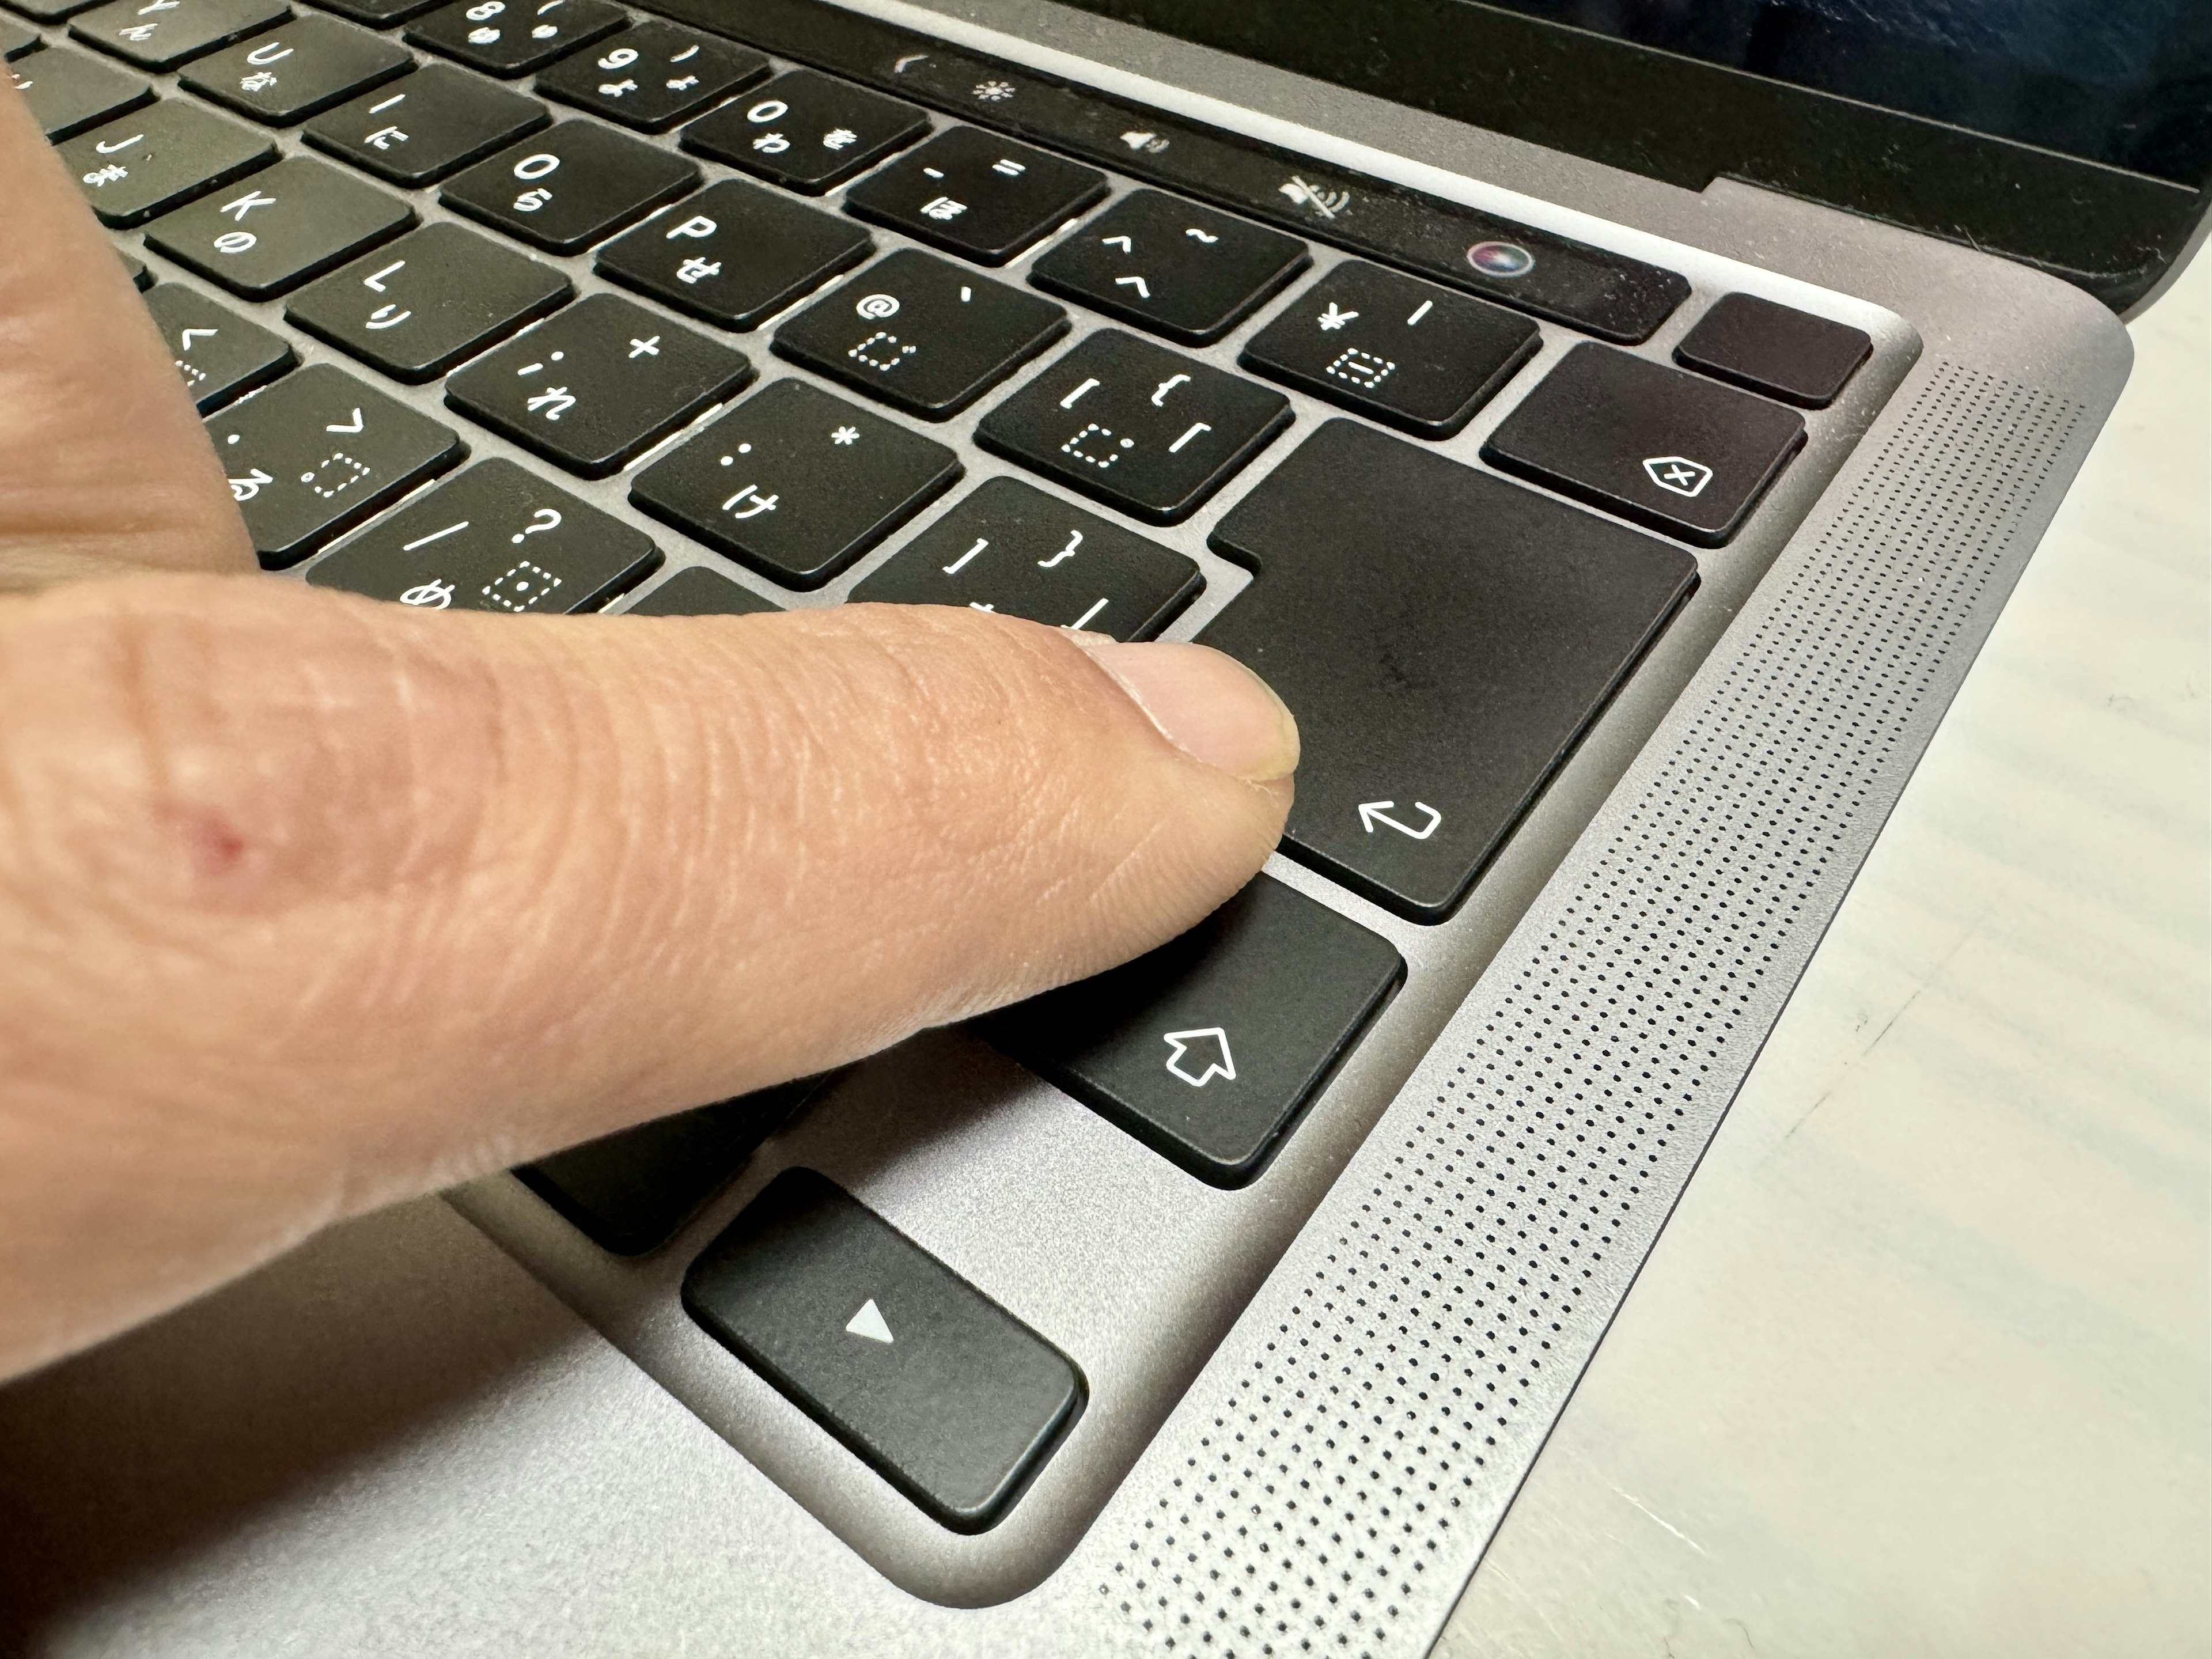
column 698, row 226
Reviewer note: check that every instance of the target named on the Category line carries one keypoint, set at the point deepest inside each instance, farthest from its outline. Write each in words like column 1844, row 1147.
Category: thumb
column 315, row 902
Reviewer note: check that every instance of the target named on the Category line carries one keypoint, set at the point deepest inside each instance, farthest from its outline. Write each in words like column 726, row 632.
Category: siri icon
column 1501, row 258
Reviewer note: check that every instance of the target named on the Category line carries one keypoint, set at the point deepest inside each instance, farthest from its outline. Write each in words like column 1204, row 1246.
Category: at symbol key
column 1208, row 1048
column 494, row 539
column 921, row 334
column 1144, row 429
column 1444, row 636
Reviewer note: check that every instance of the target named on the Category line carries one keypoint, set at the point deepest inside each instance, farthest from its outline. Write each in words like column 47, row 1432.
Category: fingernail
column 1208, row 705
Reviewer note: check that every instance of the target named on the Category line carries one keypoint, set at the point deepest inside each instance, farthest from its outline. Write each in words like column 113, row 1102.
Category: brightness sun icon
column 846, row 434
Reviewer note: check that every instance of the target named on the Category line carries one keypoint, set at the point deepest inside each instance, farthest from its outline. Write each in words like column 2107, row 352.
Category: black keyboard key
column 378, row 14
column 221, row 354
column 50, row 12
column 1444, row 636
column 806, row 131
column 699, row 592
column 495, row 537
column 1209, row 1048
column 1420, row 357
column 652, row 75
column 312, row 456
column 160, row 34
column 295, row 71
column 432, row 122
column 564, row 189
column 1012, row 549
column 435, row 297
column 159, row 158
column 947, row 1395
column 1147, row 430
column 735, row 254
column 15, row 40
column 68, row 93
column 1171, row 266
column 976, row 195
column 796, row 483
column 1799, row 358
column 1649, row 442
column 509, row 38
column 280, row 227
column 596, row 385
column 921, row 335
column 629, row 1192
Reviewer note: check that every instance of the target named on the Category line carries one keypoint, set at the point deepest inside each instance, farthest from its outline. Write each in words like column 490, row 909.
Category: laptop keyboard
column 1444, row 632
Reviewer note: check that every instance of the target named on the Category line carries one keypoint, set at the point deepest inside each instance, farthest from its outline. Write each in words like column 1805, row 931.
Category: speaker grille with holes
column 1332, row 1495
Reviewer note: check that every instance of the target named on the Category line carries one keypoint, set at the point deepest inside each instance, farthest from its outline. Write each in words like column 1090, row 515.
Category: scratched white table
column 1922, row 1365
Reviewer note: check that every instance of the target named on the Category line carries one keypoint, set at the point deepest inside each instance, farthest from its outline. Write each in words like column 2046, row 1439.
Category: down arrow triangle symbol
column 869, row 1323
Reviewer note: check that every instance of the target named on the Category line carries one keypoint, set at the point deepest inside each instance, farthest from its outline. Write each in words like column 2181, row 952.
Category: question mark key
column 461, row 540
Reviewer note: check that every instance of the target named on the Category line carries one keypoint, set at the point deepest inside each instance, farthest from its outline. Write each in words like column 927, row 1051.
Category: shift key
column 1444, row 636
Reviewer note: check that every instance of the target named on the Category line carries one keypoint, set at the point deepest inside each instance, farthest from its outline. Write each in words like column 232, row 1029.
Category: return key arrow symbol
column 1372, row 812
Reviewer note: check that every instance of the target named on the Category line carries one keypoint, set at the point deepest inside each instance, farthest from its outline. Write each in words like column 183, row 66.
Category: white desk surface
column 1922, row 1365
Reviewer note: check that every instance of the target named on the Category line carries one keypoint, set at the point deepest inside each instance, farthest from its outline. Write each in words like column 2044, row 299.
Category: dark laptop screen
column 2128, row 82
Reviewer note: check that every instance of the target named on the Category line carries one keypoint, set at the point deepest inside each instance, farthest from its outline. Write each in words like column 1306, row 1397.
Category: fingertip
column 1206, row 703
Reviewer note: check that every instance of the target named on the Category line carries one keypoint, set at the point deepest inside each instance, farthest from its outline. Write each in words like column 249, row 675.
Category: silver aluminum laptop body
column 1310, row 1399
